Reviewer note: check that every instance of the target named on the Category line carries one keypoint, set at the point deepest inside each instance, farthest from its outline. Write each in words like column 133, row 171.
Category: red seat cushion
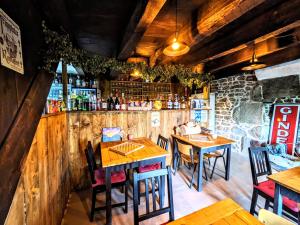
column 268, row 187
column 116, row 177
column 147, row 168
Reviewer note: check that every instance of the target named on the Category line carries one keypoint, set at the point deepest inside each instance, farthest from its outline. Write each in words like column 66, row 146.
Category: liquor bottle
column 117, row 103
column 123, row 102
column 170, row 103
column 108, row 104
column 183, row 104
column 78, row 82
column 176, row 103
column 111, row 103
column 103, row 104
column 79, row 101
column 83, row 83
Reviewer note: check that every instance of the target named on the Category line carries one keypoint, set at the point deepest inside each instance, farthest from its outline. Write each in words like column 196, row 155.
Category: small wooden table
column 223, row 212
column 112, row 161
column 205, row 147
column 287, row 183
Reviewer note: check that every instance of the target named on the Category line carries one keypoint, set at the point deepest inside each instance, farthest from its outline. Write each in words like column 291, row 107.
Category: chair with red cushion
column 260, row 166
column 161, row 142
column 97, row 175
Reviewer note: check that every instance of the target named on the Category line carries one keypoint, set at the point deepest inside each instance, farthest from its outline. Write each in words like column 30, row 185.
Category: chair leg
column 213, row 170
column 139, row 192
column 253, row 201
column 94, row 193
column 205, row 173
column 192, row 180
column 224, row 161
column 267, row 204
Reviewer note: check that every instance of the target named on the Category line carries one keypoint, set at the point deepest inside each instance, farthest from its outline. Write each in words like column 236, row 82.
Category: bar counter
column 83, row 126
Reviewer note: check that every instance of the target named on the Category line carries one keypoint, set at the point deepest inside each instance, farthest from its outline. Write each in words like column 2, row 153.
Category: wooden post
column 65, row 83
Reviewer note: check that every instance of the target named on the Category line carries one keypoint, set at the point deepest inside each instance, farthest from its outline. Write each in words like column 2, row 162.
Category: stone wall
column 238, row 116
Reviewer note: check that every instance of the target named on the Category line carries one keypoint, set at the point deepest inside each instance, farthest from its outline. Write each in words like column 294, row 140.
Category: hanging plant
column 59, row 47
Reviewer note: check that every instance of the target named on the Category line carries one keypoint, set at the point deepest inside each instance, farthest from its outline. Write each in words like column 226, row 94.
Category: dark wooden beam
column 144, row 14
column 278, row 57
column 275, row 18
column 212, row 16
column 262, row 48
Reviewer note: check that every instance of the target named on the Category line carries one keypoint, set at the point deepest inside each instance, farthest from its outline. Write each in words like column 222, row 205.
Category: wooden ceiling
column 220, row 33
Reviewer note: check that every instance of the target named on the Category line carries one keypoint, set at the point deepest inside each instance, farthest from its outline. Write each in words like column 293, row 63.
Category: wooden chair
column 97, row 175
column 269, row 218
column 161, row 142
column 260, row 166
column 111, row 134
column 151, row 179
column 215, row 155
column 186, row 154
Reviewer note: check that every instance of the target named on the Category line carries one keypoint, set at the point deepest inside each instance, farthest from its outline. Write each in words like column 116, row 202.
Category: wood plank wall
column 86, row 126
column 22, row 99
column 44, row 185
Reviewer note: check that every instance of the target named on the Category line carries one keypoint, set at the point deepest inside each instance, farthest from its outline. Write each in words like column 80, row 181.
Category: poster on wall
column 10, row 44
column 155, row 119
column 284, row 125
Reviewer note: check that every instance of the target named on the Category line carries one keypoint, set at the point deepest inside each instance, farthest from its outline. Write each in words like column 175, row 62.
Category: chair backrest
column 259, row 162
column 153, row 181
column 91, row 161
column 111, row 134
column 269, row 218
column 185, row 149
column 162, row 142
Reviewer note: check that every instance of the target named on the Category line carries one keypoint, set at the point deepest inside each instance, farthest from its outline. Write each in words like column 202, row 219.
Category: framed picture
column 10, row 44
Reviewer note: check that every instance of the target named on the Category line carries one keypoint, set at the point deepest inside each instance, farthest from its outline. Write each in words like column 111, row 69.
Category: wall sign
column 10, row 44
column 284, row 125
column 155, row 119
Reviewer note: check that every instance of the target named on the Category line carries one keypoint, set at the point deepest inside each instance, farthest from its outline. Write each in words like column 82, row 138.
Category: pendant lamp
column 254, row 63
column 176, row 48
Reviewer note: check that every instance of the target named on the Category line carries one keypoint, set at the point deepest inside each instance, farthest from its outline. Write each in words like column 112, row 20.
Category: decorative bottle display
column 170, row 103
column 176, row 104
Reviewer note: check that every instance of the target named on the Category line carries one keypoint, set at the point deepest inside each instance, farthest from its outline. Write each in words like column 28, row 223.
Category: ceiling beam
column 262, row 48
column 277, row 17
column 211, row 17
column 143, row 16
column 275, row 58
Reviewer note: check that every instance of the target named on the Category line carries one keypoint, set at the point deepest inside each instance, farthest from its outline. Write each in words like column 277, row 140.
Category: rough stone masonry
column 238, row 116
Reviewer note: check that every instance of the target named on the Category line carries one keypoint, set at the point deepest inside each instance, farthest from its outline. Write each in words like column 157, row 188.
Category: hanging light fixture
column 254, row 64
column 176, row 48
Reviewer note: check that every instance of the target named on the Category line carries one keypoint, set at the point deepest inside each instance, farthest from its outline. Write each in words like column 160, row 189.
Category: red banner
column 284, row 126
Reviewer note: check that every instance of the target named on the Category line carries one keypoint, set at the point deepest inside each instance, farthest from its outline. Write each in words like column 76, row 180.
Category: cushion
column 116, row 177
column 147, row 168
column 268, row 187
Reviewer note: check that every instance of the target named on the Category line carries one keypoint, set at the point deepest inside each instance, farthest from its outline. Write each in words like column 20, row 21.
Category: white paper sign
column 155, row 119
column 10, row 44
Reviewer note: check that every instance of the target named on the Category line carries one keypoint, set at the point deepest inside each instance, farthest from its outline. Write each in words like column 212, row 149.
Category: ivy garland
column 59, row 47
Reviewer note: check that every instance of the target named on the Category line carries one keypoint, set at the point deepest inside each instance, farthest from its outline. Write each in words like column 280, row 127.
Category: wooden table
column 287, row 183
column 205, row 147
column 223, row 212
column 111, row 161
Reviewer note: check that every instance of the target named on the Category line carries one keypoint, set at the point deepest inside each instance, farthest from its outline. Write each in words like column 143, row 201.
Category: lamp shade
column 176, row 48
column 254, row 64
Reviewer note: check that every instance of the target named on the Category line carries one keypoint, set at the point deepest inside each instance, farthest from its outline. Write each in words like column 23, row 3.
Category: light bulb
column 175, row 45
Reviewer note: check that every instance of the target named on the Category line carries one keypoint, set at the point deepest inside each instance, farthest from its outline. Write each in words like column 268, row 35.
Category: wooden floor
column 186, row 200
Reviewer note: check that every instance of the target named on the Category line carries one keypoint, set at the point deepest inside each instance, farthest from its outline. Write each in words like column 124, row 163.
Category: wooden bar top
column 204, row 144
column 149, row 151
column 225, row 212
column 289, row 178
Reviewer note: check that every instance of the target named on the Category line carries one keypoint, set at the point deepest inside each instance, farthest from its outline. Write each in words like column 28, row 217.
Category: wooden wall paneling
column 16, row 214
column 86, row 126
column 44, row 170
column 18, row 140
